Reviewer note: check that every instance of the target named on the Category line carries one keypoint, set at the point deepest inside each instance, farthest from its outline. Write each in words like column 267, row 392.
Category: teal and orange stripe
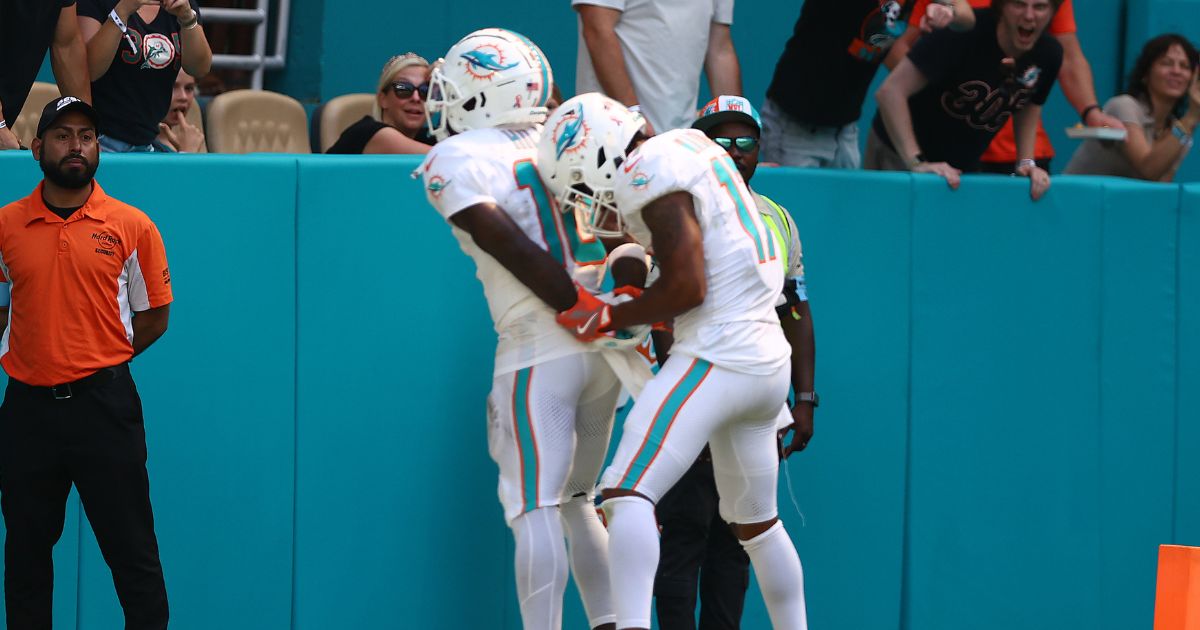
column 664, row 419
column 723, row 168
column 526, row 439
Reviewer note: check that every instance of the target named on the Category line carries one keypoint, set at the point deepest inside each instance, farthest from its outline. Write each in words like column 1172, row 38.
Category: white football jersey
column 736, row 326
column 499, row 166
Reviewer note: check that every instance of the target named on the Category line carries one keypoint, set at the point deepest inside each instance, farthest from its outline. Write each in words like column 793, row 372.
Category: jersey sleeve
column 1064, row 20
column 723, row 12
column 608, row 4
column 454, row 181
column 659, row 167
column 149, row 276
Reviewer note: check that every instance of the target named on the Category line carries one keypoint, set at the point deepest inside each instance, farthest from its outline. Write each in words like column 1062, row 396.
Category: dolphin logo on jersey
column 1030, row 77
column 572, row 124
column 640, row 181
column 436, row 185
column 485, row 61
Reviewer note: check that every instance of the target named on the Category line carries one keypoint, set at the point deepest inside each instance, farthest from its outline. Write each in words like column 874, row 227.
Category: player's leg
column 746, row 467
column 663, row 434
column 531, row 437
column 685, row 516
column 587, row 540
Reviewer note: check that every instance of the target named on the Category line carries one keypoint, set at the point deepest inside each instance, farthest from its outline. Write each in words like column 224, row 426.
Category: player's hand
column 587, row 318
column 801, row 429
column 952, row 175
column 630, row 290
column 937, row 16
column 8, row 139
column 1039, row 180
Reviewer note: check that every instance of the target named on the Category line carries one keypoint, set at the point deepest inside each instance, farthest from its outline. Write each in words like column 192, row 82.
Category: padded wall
column 1005, row 437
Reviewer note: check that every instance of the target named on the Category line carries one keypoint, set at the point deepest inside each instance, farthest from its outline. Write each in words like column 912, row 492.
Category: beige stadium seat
column 257, row 121
column 26, row 126
column 339, row 113
column 196, row 118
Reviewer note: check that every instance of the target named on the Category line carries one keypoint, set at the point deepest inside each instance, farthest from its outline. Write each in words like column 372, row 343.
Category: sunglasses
column 404, row 90
column 744, row 143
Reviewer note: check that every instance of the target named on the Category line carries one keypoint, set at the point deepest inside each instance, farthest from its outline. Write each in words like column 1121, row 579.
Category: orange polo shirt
column 75, row 285
column 1004, row 145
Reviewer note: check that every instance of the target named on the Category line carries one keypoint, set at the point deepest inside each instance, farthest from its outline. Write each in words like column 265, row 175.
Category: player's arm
column 495, row 233
column 679, row 249
column 68, row 57
column 893, row 96
column 1078, row 85
column 721, row 61
column 1025, row 124
column 148, row 326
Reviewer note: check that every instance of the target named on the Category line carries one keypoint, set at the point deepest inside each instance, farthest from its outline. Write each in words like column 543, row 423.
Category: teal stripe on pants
column 663, row 419
column 526, row 439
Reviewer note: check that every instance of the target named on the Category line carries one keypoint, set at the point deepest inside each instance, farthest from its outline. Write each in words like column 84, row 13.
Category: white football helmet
column 585, row 141
column 489, row 78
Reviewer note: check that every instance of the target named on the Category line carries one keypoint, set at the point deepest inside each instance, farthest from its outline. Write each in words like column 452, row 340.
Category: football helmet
column 578, row 156
column 489, row 78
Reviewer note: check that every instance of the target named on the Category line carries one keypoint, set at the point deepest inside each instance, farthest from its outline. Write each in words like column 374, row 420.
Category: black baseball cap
column 62, row 105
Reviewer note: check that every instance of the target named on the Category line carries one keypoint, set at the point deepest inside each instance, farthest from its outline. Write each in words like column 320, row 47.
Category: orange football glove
column 586, row 319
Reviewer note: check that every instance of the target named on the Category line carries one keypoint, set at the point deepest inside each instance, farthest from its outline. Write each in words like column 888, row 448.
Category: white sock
column 541, row 564
column 633, row 558
column 587, row 542
column 780, row 577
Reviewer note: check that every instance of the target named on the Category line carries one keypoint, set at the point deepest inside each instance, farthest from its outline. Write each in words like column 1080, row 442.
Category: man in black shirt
column 815, row 98
column 944, row 103
column 27, row 29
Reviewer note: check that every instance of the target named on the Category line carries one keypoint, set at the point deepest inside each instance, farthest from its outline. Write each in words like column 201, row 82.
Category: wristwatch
column 916, row 161
column 808, row 397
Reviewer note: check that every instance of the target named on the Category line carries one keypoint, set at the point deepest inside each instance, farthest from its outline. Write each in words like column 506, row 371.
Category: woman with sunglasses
column 398, row 123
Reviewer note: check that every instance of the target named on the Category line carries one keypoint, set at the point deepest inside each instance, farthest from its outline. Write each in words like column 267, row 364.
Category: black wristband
column 1087, row 110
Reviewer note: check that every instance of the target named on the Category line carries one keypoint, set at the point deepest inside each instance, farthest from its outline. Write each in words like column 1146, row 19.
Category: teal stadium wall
column 1007, row 435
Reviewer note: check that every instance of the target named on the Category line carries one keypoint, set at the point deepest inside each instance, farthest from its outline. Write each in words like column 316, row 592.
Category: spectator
column 698, row 547
column 556, row 99
column 135, row 50
column 810, row 117
column 175, row 133
column 1160, row 110
column 942, row 105
column 27, row 29
column 1075, row 77
column 648, row 54
column 81, row 264
column 398, row 123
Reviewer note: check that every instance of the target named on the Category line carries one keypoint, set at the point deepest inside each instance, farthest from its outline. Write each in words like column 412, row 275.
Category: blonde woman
column 398, row 122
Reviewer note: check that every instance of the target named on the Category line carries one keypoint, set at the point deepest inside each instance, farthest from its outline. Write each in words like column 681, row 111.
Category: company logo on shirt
column 106, row 240
column 640, row 180
column 436, row 185
column 879, row 31
column 1030, row 77
column 158, row 51
column 982, row 107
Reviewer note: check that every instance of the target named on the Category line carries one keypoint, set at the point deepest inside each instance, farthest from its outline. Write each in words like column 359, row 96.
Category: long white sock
column 633, row 558
column 780, row 577
column 541, row 565
column 587, row 542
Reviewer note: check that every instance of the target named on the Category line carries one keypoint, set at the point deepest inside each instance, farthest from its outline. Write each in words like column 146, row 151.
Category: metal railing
column 259, row 61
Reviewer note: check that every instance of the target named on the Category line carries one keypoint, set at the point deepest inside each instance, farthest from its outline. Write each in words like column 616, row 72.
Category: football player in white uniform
column 550, row 411
column 727, row 377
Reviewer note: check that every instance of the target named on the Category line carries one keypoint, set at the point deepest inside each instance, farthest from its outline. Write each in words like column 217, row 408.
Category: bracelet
column 112, row 15
column 190, row 24
column 1181, row 134
column 3, row 124
column 915, row 161
column 1025, row 162
column 1087, row 110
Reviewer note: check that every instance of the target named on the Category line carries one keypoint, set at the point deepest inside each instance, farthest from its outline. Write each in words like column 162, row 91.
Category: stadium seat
column 25, row 127
column 256, row 121
column 332, row 118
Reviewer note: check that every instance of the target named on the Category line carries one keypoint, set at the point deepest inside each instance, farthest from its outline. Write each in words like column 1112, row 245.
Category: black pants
column 96, row 440
column 698, row 547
